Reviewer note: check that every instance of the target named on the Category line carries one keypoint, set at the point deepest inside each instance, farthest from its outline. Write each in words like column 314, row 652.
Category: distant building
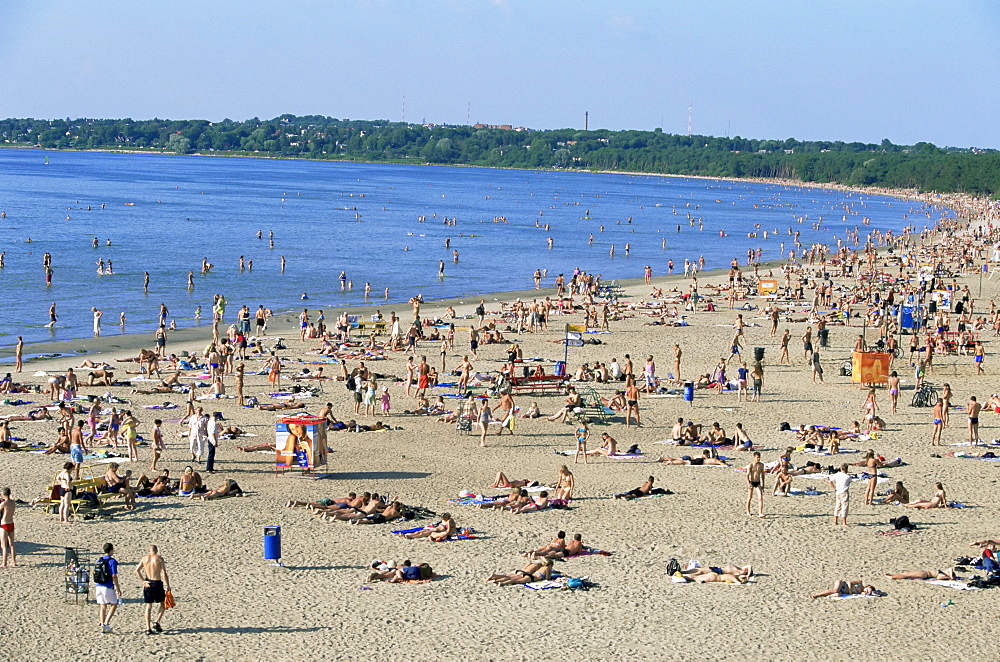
column 502, row 127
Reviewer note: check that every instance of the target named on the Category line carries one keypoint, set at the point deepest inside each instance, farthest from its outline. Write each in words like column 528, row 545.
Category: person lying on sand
column 922, row 574
column 853, row 587
column 726, row 574
column 406, row 572
column 229, row 488
column 537, row 503
column 291, row 404
column 157, row 487
column 645, row 489
column 325, row 502
column 532, row 572
column 254, row 448
column 552, row 550
column 705, row 460
column 501, row 482
column 443, row 530
column 40, row 414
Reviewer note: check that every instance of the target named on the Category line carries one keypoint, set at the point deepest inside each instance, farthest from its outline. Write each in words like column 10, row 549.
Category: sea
column 388, row 226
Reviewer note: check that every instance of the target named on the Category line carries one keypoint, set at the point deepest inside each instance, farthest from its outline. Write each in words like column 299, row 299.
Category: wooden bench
column 92, row 484
column 362, row 327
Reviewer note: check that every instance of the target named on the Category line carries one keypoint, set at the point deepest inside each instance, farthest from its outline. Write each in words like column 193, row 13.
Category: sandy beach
column 232, row 604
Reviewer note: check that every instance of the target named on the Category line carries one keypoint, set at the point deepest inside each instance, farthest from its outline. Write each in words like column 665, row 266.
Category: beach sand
column 233, row 605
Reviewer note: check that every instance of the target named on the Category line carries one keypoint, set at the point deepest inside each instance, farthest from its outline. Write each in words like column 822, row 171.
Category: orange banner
column 870, row 367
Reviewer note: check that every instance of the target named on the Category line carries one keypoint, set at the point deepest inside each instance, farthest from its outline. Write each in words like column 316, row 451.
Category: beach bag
column 902, row 523
column 252, row 401
column 168, row 600
column 574, row 583
column 102, row 574
column 673, row 567
column 351, row 384
column 784, row 427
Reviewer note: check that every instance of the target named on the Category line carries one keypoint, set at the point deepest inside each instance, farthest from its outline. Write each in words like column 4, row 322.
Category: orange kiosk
column 767, row 287
column 870, row 367
column 299, row 443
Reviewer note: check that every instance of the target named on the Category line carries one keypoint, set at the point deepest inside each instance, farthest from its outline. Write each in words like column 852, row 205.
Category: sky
column 853, row 70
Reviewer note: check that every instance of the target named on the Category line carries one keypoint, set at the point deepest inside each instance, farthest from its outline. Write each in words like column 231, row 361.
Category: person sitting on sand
column 112, row 481
column 229, row 488
column 923, row 574
column 646, row 489
column 439, row 532
column 898, row 494
column 608, row 447
column 532, row 411
column 853, row 587
column 716, row 435
column 939, row 500
column 190, row 482
column 540, row 502
column 60, row 446
column 616, row 402
column 501, row 482
column 690, row 434
column 705, row 460
column 532, row 572
column 782, row 480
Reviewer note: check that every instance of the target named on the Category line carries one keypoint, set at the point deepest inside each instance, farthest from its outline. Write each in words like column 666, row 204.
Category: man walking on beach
column 841, row 481
column 152, row 571
column 7, row 530
column 107, row 590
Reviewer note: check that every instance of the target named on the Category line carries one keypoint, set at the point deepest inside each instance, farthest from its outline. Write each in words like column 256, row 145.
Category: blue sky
column 909, row 71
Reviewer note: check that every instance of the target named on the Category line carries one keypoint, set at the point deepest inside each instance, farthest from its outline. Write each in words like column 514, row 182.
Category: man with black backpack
column 106, row 587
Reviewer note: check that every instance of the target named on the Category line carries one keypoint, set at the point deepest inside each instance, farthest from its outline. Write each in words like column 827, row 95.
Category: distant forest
column 922, row 166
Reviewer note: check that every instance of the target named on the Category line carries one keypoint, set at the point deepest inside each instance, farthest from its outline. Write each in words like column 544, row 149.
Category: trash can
column 689, row 391
column 758, row 354
column 272, row 543
column 824, row 337
column 932, row 307
column 560, row 368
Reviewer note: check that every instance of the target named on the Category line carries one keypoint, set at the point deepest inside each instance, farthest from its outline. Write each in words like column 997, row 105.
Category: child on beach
column 156, row 445
column 386, row 400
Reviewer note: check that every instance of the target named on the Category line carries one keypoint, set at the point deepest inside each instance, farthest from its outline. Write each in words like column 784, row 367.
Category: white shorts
column 105, row 595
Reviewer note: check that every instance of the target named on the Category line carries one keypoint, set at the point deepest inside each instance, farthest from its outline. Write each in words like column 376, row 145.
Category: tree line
column 921, row 166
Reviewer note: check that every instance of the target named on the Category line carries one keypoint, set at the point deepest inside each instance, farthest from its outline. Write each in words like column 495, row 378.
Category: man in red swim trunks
column 423, row 370
column 7, row 530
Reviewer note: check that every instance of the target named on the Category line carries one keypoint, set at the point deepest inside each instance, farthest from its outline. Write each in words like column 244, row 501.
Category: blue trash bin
column 560, row 368
column 272, row 543
column 689, row 391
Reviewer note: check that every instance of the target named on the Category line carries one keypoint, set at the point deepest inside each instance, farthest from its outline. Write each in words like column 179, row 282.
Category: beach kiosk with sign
column 768, row 288
column 299, row 443
column 869, row 368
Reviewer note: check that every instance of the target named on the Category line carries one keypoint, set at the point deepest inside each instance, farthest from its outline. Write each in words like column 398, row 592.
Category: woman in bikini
column 565, row 484
column 582, row 435
column 893, row 391
column 501, row 482
column 190, row 482
column 532, row 572
column 939, row 500
column 853, row 587
column 898, row 494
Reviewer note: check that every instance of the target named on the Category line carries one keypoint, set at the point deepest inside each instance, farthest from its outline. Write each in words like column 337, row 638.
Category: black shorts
column 153, row 593
column 376, row 518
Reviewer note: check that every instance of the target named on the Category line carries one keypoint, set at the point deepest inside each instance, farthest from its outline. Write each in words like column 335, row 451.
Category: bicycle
column 925, row 396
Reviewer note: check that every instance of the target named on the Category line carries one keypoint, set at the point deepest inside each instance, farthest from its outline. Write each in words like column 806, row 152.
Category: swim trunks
column 153, row 593
column 973, row 420
column 754, row 483
column 8, row 527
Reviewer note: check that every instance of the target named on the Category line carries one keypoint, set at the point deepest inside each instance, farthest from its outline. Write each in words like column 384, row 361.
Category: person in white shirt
column 841, row 482
column 615, row 369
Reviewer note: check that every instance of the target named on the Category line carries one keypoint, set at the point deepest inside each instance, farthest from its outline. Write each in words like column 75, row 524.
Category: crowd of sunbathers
column 366, row 508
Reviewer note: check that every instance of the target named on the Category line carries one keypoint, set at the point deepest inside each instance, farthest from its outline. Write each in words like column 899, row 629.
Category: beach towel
column 858, row 595
column 165, row 405
column 951, row 583
column 544, row 584
column 893, row 533
column 590, row 552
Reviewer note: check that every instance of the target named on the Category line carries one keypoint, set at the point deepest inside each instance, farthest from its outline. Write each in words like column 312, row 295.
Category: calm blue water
column 358, row 218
